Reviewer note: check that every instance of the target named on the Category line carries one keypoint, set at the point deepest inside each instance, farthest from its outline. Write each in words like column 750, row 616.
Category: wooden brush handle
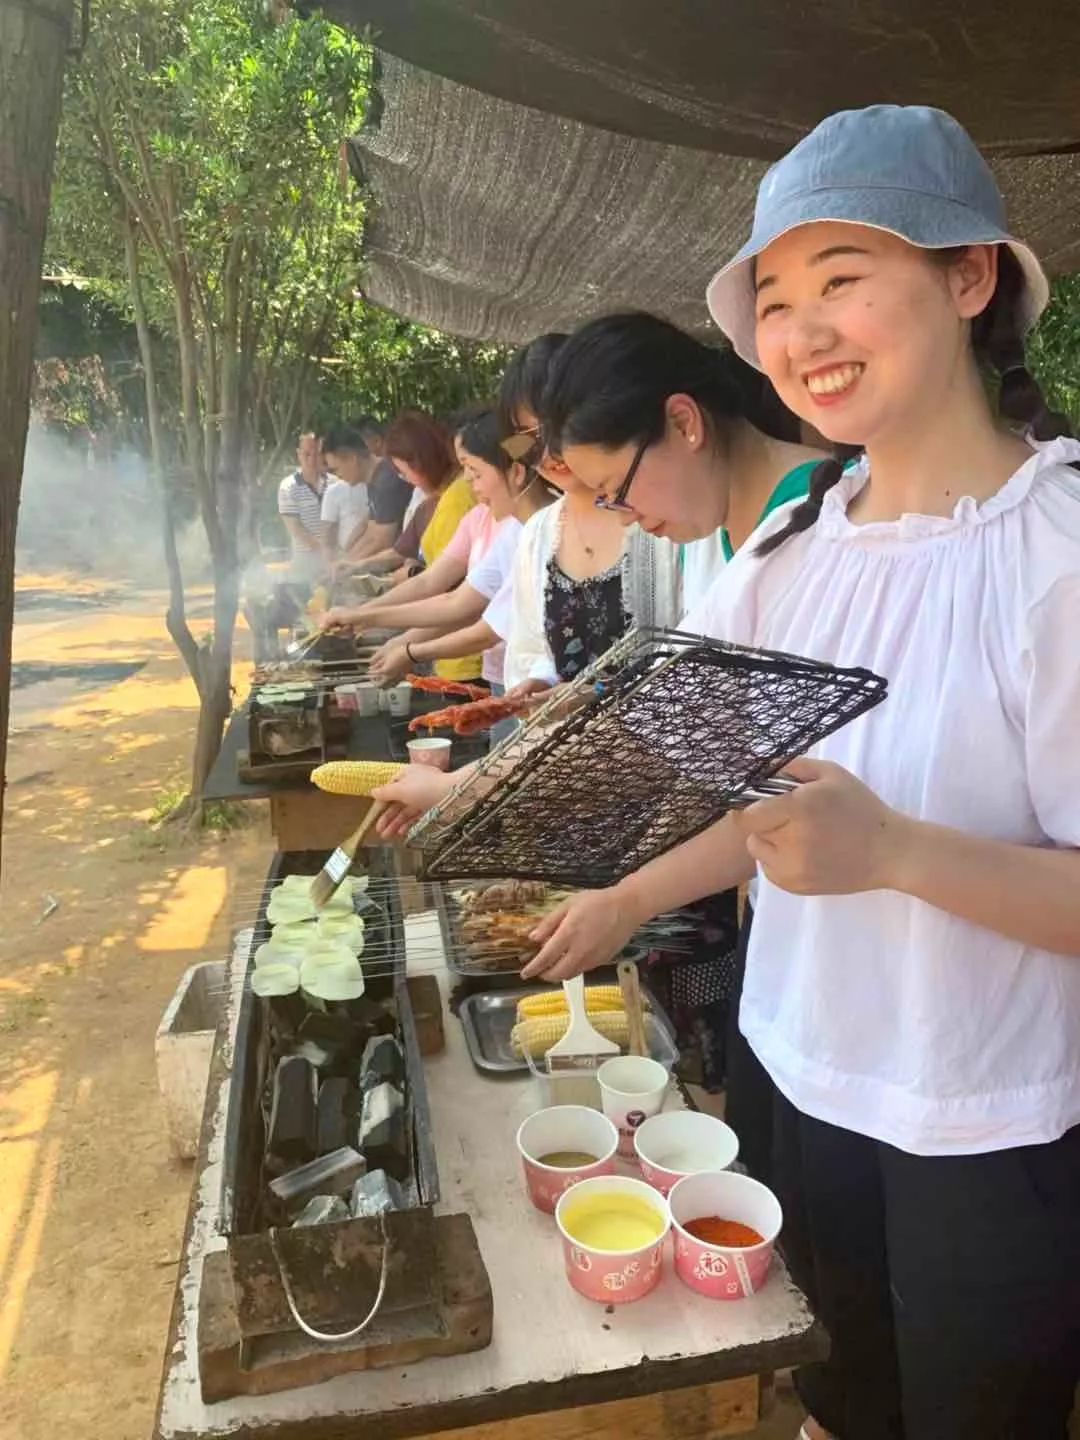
column 630, row 985
column 356, row 839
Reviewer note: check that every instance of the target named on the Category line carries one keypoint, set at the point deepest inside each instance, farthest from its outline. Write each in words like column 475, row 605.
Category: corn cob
column 553, row 1002
column 355, row 777
column 535, row 1037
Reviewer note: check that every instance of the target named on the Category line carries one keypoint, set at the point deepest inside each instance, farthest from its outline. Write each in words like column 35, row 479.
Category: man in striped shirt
column 300, row 497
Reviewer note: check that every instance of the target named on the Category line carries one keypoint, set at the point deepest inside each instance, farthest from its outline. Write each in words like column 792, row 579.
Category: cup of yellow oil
column 613, row 1234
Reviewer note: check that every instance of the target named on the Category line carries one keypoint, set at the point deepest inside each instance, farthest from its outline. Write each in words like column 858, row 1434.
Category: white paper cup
column 399, row 699
column 683, row 1142
column 367, row 698
column 432, row 751
column 632, row 1087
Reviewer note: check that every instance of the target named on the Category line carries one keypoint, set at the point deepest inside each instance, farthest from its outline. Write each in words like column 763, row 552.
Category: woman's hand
column 411, row 795
column 587, row 930
column 339, row 617
column 831, row 836
column 390, row 663
column 527, row 688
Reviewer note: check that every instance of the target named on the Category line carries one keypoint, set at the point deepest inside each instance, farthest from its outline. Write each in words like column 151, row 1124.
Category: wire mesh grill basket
column 656, row 741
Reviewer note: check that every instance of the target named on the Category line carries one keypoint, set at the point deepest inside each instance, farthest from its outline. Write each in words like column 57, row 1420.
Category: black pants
column 950, row 1285
column 750, row 1091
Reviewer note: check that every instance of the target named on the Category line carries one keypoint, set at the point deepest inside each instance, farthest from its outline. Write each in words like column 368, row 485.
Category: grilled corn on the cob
column 535, row 1037
column 355, row 777
column 553, row 1002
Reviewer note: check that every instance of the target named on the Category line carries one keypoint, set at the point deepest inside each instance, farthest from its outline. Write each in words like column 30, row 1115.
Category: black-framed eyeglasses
column 618, row 500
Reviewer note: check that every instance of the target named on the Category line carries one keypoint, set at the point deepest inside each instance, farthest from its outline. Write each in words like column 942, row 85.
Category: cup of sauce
column 613, row 1232
column 560, row 1146
column 725, row 1227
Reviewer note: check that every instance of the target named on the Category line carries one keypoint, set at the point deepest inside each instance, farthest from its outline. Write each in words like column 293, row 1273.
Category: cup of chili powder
column 725, row 1227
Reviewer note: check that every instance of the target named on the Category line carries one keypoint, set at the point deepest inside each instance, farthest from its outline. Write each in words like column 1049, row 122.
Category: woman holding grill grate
column 913, row 977
column 634, row 380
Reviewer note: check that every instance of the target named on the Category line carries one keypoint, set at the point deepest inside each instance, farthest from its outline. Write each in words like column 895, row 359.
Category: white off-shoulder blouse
column 878, row 1012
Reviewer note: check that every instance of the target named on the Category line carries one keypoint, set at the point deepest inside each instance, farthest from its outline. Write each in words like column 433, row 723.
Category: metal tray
column 488, row 1016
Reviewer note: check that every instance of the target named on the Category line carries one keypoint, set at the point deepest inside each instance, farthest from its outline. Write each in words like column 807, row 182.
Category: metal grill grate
column 656, row 741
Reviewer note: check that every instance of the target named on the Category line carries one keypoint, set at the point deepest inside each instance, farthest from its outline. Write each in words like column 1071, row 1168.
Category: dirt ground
column 100, row 914
column 91, row 1203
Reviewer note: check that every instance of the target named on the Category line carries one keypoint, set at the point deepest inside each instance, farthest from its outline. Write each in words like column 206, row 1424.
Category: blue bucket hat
column 911, row 170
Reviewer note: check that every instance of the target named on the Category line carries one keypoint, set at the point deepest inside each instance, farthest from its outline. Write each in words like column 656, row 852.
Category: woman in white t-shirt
column 448, row 626
column 913, row 980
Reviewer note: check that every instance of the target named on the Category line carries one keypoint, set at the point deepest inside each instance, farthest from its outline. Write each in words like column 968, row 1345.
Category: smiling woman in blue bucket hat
column 913, row 977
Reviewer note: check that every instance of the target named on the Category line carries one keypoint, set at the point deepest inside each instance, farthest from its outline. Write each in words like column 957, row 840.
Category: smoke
column 97, row 512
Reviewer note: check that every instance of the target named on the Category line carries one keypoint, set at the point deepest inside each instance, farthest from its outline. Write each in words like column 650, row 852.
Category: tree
column 33, row 47
column 201, row 176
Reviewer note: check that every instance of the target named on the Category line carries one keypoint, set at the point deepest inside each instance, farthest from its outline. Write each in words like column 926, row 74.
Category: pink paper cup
column 611, row 1277
column 563, row 1127
column 682, row 1142
column 433, row 752
column 723, row 1272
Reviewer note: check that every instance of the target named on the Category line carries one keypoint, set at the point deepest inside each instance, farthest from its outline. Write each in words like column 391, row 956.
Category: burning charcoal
column 383, row 1063
column 382, row 1131
column 333, row 1174
column 375, row 1194
column 293, row 1130
column 321, row 1210
column 336, row 1114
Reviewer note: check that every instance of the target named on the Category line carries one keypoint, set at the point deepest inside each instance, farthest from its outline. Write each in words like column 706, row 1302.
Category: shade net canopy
column 499, row 221
column 749, row 77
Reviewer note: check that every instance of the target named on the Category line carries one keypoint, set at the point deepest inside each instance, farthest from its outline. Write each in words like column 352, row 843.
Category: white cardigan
column 654, row 584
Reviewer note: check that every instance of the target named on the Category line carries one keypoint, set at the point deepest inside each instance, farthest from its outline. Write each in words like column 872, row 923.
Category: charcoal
column 333, row 1174
column 383, row 1138
column 335, row 1113
column 321, row 1210
column 375, row 1194
column 293, row 1129
column 383, row 1063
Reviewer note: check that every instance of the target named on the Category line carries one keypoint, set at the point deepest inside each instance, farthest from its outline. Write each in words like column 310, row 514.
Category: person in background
column 423, row 453
column 345, row 503
column 468, row 616
column 300, row 497
column 389, row 494
column 636, row 380
column 582, row 577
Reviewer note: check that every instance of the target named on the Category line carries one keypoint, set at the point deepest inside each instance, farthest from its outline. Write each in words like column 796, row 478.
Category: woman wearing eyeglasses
column 702, row 414
column 582, row 577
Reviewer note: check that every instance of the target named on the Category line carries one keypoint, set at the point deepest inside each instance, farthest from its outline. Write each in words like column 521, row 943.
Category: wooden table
column 559, row 1367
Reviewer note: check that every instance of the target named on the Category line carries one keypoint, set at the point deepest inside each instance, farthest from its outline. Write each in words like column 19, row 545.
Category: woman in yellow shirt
column 422, row 452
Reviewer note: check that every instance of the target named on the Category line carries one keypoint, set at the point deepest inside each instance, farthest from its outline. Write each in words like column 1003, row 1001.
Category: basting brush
column 349, row 777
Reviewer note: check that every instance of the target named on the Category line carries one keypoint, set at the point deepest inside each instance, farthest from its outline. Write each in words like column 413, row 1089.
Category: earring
column 692, row 439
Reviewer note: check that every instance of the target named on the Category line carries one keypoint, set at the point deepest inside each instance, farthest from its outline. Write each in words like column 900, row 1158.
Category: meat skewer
column 436, row 686
column 471, row 718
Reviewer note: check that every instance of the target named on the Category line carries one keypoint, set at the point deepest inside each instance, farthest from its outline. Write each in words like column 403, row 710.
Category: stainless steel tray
column 487, row 1018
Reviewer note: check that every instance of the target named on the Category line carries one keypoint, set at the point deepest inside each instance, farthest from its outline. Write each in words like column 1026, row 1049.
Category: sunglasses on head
column 525, row 445
column 618, row 501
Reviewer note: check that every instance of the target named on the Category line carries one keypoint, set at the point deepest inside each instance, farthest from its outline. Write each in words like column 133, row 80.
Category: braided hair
column 997, row 338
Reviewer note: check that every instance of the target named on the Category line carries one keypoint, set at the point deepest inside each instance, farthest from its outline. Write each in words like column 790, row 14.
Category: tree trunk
column 176, row 615
column 33, row 50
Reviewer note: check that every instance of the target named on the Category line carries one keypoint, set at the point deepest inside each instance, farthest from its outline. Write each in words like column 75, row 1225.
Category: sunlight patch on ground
column 28, row 1172
column 187, row 917
column 24, row 1113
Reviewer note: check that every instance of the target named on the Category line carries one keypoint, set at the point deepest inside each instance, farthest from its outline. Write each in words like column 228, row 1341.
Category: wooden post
column 34, row 41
